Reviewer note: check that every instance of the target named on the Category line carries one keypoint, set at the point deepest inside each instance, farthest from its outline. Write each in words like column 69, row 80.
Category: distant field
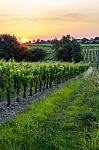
column 90, row 51
column 90, row 46
column 47, row 47
column 39, row 45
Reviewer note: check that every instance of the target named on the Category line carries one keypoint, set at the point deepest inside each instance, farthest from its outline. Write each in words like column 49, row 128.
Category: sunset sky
column 32, row 19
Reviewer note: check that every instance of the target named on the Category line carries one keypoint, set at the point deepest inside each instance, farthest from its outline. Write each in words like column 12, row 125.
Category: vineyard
column 49, row 105
column 91, row 55
column 65, row 119
column 28, row 78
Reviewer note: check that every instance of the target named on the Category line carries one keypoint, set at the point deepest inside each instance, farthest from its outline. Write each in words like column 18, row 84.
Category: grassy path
column 56, row 123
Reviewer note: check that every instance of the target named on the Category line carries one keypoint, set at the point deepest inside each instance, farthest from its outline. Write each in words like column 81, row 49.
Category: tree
column 56, row 44
column 67, row 49
column 36, row 54
column 22, row 54
column 38, row 41
column 96, row 40
column 77, row 54
column 84, row 41
column 9, row 47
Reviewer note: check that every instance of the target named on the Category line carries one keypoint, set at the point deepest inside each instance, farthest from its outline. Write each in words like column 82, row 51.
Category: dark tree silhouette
column 67, row 49
column 84, row 40
column 10, row 47
column 36, row 54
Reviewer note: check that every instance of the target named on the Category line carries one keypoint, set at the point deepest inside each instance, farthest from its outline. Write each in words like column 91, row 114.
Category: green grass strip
column 55, row 122
column 27, row 130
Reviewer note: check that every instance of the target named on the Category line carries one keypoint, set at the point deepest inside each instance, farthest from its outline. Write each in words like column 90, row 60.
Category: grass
column 42, row 46
column 53, row 122
column 30, row 123
column 90, row 45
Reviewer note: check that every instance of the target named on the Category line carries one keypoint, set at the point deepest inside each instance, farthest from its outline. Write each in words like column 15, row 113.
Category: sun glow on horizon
column 23, row 40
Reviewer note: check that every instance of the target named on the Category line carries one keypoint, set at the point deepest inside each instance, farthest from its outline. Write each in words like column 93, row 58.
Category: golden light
column 23, row 40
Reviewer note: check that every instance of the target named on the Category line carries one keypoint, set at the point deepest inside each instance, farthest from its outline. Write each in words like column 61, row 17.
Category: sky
column 45, row 19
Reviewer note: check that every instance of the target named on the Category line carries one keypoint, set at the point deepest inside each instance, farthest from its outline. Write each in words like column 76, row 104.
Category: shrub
column 36, row 54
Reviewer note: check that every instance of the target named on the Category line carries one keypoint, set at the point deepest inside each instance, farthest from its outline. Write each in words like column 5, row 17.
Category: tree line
column 66, row 49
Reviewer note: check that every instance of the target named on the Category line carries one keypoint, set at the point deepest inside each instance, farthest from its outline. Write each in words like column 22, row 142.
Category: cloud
column 54, row 16
column 51, row 18
column 7, row 15
column 74, row 16
column 4, row 14
column 60, row 17
column 34, row 19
